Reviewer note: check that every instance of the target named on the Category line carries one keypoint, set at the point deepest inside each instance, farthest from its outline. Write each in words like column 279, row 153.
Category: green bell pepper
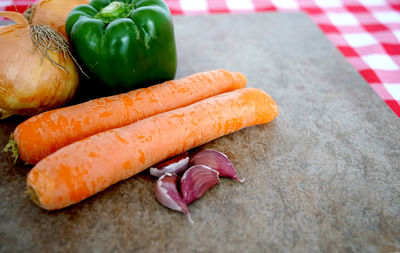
column 125, row 44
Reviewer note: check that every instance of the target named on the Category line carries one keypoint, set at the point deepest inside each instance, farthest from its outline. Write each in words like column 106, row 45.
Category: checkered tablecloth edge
column 367, row 32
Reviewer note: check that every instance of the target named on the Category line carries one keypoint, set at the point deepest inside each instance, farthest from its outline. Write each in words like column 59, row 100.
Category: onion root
column 44, row 38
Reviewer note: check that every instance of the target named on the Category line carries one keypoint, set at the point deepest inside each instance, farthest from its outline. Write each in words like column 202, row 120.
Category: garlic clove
column 176, row 165
column 217, row 161
column 196, row 181
column 167, row 194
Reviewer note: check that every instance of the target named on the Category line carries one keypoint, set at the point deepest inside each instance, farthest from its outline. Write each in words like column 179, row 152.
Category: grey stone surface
column 323, row 177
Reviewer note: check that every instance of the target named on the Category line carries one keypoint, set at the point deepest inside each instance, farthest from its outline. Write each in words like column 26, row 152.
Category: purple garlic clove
column 217, row 161
column 196, row 181
column 167, row 194
column 175, row 165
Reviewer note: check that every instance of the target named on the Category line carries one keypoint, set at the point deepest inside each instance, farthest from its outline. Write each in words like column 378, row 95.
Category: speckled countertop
column 323, row 177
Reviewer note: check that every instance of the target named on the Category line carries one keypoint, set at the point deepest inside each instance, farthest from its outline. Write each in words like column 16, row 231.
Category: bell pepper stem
column 115, row 10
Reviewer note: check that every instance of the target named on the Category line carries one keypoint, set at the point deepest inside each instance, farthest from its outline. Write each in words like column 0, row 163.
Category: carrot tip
column 12, row 147
column 32, row 193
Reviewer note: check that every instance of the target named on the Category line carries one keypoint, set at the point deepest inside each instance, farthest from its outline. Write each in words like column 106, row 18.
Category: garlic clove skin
column 196, row 181
column 215, row 160
column 176, row 165
column 167, row 194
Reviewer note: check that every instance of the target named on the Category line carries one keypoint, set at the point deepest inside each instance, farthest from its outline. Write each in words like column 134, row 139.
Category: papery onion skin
column 54, row 13
column 30, row 83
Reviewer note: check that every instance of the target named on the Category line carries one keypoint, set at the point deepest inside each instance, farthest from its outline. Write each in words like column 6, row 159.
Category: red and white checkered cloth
column 367, row 32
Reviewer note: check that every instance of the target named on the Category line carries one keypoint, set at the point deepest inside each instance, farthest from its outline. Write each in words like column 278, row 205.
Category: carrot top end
column 12, row 147
column 32, row 193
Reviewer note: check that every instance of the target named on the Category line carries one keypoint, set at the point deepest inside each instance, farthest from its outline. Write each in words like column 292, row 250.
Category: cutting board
column 322, row 177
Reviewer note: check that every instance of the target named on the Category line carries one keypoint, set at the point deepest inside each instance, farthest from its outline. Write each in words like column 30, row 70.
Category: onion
column 53, row 13
column 37, row 71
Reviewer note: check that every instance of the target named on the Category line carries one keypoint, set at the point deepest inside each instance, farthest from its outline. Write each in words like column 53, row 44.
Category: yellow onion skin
column 30, row 83
column 54, row 13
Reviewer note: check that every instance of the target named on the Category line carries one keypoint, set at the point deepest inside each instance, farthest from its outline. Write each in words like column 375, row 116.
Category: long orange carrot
column 88, row 166
column 45, row 133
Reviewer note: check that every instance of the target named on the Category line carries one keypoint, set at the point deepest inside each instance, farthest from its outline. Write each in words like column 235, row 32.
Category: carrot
column 45, row 133
column 88, row 166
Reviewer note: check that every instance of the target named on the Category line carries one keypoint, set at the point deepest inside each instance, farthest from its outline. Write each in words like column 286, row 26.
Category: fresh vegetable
column 196, row 181
column 43, row 134
column 53, row 13
column 193, row 184
column 130, row 44
column 168, row 195
column 215, row 160
column 37, row 72
column 176, row 165
column 88, row 166
column 206, row 167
